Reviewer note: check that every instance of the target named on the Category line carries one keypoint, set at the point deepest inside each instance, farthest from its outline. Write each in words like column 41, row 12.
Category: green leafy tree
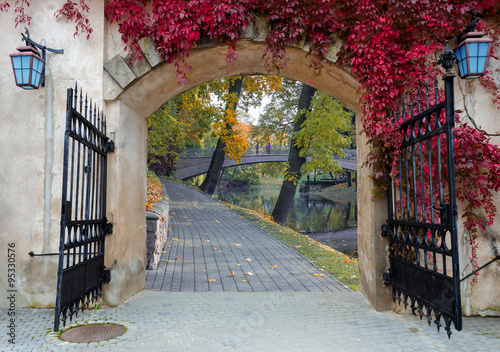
column 165, row 139
column 324, row 133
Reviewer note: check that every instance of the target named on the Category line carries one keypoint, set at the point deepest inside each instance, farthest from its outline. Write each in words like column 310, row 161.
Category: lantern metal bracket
column 43, row 48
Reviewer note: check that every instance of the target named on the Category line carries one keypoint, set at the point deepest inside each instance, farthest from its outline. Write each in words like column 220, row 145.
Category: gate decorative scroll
column 84, row 226
column 422, row 230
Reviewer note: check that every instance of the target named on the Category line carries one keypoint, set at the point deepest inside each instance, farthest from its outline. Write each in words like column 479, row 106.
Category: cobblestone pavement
column 325, row 320
column 208, row 244
column 257, row 321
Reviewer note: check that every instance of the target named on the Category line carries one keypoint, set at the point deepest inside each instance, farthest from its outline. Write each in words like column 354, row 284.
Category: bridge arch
column 134, row 91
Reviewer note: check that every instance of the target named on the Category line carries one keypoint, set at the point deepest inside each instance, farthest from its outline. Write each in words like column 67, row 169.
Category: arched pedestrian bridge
column 195, row 161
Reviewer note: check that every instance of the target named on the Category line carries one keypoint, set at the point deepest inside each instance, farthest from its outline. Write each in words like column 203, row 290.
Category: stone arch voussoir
column 125, row 79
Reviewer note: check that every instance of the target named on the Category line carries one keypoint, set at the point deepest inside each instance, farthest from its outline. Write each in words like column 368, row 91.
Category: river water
column 331, row 222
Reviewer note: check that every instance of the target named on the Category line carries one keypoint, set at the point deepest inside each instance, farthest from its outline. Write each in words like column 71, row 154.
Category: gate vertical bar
column 452, row 210
column 64, row 207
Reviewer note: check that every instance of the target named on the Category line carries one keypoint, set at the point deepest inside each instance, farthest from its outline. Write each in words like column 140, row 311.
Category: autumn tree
column 226, row 134
column 249, row 90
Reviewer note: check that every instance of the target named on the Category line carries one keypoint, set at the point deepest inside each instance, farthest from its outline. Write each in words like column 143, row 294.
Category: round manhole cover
column 92, row 333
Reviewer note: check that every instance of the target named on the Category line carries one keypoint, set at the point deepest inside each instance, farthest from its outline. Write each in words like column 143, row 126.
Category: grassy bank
column 337, row 192
column 336, row 263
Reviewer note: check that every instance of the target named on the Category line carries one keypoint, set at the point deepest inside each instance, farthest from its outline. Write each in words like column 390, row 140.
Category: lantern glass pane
column 25, row 68
column 462, row 60
column 473, row 64
column 37, row 72
column 483, row 49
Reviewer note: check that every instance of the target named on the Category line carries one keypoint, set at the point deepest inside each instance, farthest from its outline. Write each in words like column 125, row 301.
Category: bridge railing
column 350, row 154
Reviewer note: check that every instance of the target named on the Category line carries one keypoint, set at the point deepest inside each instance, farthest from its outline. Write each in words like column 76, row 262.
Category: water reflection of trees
column 308, row 214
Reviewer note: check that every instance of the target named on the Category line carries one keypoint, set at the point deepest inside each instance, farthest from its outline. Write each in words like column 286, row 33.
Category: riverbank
column 337, row 192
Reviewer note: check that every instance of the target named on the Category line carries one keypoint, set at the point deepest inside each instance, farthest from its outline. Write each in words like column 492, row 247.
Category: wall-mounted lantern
column 28, row 65
column 472, row 53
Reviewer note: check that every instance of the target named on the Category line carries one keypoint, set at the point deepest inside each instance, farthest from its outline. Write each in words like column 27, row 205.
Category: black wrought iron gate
column 422, row 230
column 84, row 226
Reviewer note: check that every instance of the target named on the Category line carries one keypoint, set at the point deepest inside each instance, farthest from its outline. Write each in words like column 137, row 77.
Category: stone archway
column 133, row 92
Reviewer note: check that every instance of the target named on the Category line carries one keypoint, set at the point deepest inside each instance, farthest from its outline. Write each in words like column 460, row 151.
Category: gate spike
column 411, row 105
column 427, row 93
column 86, row 107
column 75, row 95
column 81, row 100
column 397, row 110
column 418, row 99
column 404, row 109
column 436, row 89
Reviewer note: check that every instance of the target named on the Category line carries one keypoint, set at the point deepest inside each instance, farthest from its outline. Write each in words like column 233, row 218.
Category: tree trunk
column 295, row 162
column 211, row 179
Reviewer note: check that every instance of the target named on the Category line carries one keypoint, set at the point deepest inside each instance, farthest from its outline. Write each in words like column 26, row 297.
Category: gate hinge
column 110, row 147
column 106, row 275
column 387, row 276
column 385, row 230
column 109, row 228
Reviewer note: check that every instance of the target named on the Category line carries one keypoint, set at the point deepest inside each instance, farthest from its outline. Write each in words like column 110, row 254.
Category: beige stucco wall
column 483, row 298
column 31, row 142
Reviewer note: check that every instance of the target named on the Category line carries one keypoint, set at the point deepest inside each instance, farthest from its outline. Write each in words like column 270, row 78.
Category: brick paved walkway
column 214, row 242
column 336, row 320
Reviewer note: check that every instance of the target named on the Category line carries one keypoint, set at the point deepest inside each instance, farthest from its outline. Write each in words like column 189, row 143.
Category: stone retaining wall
column 156, row 231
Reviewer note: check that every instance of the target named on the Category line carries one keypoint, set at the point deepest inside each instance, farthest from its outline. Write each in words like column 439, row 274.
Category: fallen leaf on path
column 211, row 280
column 238, row 264
column 237, row 244
column 217, row 221
column 168, row 261
column 244, row 280
column 170, row 245
column 249, row 274
column 187, row 242
column 274, row 266
column 175, row 239
column 248, row 260
column 164, row 251
column 195, row 246
column 213, row 248
column 178, row 258
column 186, row 224
column 316, row 274
column 232, row 274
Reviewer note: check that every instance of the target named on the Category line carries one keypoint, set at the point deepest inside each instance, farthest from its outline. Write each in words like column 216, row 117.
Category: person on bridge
column 257, row 148
column 268, row 148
